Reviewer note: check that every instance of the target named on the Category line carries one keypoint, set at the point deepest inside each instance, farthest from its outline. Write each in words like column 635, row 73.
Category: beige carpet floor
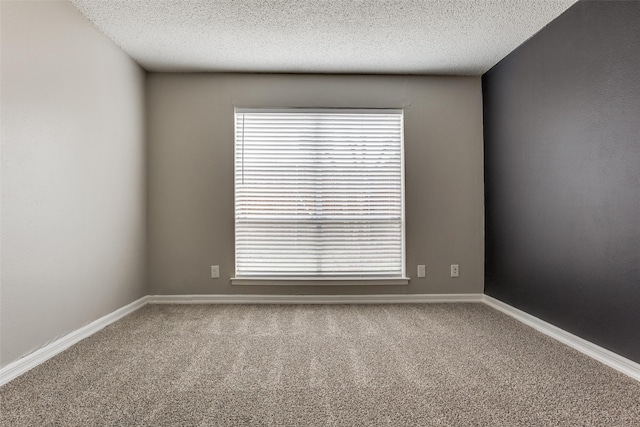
column 317, row 365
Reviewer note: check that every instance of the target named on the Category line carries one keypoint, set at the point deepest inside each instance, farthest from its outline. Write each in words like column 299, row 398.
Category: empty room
column 320, row 212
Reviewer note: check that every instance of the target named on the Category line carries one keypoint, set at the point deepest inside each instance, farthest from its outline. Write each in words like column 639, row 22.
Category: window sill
column 302, row 281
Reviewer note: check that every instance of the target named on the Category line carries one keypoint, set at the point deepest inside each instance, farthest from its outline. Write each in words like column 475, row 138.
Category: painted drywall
column 73, row 175
column 562, row 177
column 191, row 201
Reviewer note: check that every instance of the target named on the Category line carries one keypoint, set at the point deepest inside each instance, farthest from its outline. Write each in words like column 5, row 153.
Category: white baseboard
column 41, row 355
column 609, row 358
column 314, row 299
column 615, row 361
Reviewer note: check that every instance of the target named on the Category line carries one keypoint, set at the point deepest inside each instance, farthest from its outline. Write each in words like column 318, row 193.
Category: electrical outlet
column 215, row 271
column 421, row 271
column 455, row 270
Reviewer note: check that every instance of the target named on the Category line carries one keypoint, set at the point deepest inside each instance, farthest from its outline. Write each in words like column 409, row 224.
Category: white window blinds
column 319, row 193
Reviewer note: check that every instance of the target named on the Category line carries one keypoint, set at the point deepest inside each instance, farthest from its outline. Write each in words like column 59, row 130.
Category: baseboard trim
column 314, row 299
column 609, row 358
column 30, row 361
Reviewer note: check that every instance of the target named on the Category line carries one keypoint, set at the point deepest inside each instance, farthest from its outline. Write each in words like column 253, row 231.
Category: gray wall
column 73, row 176
column 191, row 223
column 562, row 147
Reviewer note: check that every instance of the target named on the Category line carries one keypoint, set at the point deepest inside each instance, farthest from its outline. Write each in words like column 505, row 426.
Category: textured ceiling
column 321, row 36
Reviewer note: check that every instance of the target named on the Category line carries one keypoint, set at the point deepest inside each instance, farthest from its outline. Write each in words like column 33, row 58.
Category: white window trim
column 327, row 280
column 322, row 281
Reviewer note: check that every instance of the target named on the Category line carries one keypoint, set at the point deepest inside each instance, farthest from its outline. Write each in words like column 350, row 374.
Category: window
column 319, row 195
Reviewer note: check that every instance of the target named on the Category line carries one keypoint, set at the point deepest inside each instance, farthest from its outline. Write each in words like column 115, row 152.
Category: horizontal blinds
column 318, row 193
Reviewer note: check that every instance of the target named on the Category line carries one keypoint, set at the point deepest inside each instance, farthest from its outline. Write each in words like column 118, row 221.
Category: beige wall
column 191, row 174
column 73, row 176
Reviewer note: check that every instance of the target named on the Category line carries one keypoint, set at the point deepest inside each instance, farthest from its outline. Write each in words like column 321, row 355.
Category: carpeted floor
column 347, row 365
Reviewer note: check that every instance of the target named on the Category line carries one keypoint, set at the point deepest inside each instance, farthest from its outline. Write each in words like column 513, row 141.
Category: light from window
column 319, row 193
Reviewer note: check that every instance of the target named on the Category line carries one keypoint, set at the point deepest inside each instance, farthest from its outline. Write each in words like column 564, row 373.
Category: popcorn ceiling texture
column 332, row 365
column 463, row 37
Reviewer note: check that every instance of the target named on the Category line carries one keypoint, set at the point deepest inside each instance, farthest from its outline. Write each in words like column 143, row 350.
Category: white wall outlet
column 421, row 271
column 455, row 270
column 215, row 271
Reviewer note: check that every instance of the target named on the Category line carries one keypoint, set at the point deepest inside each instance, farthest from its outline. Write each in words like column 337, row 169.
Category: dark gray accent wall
column 562, row 175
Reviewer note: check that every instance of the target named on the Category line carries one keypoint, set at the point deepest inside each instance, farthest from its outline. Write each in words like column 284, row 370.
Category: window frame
column 326, row 280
